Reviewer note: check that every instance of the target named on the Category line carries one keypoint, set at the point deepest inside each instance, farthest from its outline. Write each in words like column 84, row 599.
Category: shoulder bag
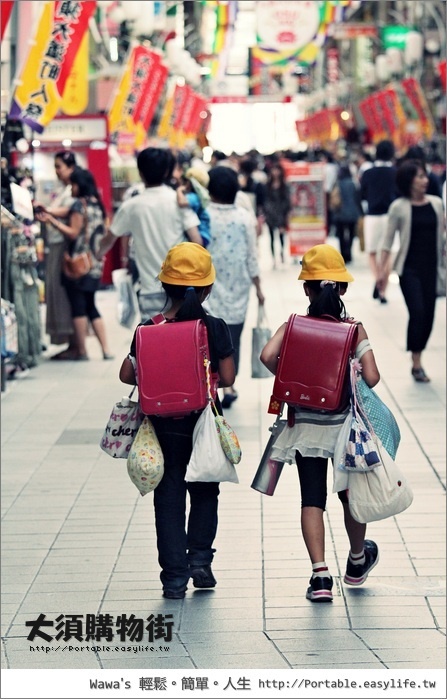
column 380, row 493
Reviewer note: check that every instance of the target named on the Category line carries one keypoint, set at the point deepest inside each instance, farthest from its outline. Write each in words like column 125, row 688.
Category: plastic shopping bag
column 208, row 462
column 261, row 334
column 127, row 309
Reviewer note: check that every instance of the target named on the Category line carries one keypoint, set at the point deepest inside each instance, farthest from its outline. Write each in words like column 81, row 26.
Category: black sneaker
column 356, row 575
column 202, row 576
column 320, row 589
column 174, row 594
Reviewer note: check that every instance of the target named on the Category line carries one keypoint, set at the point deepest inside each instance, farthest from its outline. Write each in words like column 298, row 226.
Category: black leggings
column 82, row 302
column 312, row 472
column 272, row 238
column 419, row 291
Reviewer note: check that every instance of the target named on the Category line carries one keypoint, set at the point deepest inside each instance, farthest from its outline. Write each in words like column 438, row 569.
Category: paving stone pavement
column 77, row 538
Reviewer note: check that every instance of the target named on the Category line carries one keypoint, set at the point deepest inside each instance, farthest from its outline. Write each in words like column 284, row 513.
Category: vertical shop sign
column 417, row 99
column 75, row 97
column 307, row 221
column 40, row 87
column 145, row 109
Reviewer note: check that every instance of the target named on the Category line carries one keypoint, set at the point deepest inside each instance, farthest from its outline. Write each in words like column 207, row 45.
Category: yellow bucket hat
column 324, row 262
column 188, row 264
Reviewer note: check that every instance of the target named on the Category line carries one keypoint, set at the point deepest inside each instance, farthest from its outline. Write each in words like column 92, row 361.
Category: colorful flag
column 39, row 91
column 75, row 97
column 6, row 10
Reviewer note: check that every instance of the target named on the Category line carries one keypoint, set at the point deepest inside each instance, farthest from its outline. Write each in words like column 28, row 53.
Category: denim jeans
column 182, row 544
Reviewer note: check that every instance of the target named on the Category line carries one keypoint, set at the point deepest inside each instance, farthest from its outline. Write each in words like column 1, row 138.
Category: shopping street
column 78, row 539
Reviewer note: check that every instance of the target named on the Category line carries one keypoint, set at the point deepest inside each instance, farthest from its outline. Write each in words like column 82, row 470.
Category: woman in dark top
column 277, row 207
column 419, row 218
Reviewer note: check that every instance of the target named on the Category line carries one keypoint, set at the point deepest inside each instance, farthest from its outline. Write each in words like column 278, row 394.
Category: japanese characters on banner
column 40, row 87
column 307, row 220
column 136, row 98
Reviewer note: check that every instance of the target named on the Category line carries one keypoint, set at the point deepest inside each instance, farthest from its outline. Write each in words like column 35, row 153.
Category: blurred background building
column 202, row 75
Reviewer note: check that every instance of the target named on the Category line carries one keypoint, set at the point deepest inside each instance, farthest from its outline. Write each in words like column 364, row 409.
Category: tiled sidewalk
column 78, row 539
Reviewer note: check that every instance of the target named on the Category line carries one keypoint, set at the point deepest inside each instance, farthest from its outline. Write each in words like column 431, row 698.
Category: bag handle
column 262, row 316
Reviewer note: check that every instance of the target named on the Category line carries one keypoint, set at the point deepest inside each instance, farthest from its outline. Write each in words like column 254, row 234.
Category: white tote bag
column 208, row 462
column 380, row 493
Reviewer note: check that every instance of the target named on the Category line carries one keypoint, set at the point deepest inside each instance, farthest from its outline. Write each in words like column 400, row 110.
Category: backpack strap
column 159, row 318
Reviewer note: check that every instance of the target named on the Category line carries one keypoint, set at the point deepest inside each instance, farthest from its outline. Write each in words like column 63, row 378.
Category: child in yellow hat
column 185, row 549
column 311, row 440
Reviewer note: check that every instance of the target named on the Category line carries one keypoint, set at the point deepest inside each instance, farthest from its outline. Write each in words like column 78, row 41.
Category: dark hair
column 191, row 308
column 247, row 167
column 67, row 157
column 415, row 153
column 385, row 150
column 405, row 174
column 155, row 165
column 223, row 185
column 218, row 155
column 275, row 164
column 86, row 185
column 327, row 300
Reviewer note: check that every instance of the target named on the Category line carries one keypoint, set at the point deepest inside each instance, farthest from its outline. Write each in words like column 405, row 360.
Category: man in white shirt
column 156, row 224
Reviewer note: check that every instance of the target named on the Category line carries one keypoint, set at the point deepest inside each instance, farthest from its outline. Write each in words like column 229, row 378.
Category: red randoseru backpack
column 313, row 365
column 171, row 367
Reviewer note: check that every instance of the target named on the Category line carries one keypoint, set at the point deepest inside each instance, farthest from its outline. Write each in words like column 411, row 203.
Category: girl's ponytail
column 327, row 299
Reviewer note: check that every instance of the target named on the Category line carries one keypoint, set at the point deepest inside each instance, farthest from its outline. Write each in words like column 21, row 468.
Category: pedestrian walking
column 310, row 442
column 378, row 190
column 419, row 218
column 156, row 223
column 346, row 215
column 233, row 248
column 277, row 207
column 187, row 277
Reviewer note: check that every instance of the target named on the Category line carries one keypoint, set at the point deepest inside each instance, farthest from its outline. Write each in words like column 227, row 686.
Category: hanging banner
column 307, row 220
column 150, row 97
column 393, row 115
column 6, row 9
column 75, row 97
column 370, row 111
column 40, row 87
column 417, row 99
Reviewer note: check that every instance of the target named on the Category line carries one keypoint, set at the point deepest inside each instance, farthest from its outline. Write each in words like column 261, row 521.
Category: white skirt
column 313, row 434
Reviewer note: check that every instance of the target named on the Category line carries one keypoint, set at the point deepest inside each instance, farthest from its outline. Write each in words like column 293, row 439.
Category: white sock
column 357, row 559
column 320, row 570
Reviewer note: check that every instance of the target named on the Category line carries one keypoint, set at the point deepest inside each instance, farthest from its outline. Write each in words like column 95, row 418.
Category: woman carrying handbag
column 311, row 440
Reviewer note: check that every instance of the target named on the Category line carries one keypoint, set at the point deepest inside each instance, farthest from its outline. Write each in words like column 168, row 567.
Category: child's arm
column 182, row 201
column 270, row 353
column 127, row 372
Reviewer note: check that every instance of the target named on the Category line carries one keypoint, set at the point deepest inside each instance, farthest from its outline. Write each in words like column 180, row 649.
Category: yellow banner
column 164, row 127
column 119, row 118
column 61, row 29
column 75, row 97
